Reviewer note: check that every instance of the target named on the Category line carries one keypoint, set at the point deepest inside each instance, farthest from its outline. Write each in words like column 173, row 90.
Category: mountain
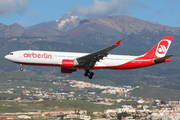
column 71, row 33
column 14, row 30
column 105, row 30
column 64, row 23
column 119, row 24
column 101, row 30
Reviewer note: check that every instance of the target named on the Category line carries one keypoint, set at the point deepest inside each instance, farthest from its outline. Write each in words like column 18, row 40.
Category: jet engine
column 66, row 70
column 68, row 63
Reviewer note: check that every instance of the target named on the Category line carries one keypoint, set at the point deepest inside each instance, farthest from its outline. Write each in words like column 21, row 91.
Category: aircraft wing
column 92, row 58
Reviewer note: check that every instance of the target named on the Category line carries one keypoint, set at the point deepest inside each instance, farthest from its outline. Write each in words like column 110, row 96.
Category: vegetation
column 28, row 80
column 54, row 105
column 156, row 93
column 14, row 80
column 123, row 114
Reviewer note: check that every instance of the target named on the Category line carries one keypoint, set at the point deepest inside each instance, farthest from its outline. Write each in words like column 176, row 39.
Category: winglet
column 118, row 43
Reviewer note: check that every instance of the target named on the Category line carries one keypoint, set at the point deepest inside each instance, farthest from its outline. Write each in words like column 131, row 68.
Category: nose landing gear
column 89, row 74
column 21, row 67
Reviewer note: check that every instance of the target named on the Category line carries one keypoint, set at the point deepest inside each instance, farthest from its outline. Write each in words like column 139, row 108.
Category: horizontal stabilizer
column 158, row 60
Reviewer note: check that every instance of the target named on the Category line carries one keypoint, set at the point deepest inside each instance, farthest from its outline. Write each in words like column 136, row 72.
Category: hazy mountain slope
column 14, row 30
column 156, row 93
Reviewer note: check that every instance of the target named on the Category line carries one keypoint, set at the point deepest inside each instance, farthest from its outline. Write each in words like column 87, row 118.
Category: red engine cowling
column 65, row 70
column 68, row 63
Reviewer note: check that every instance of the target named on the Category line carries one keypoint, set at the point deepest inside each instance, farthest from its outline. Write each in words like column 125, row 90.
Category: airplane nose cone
column 6, row 57
column 9, row 58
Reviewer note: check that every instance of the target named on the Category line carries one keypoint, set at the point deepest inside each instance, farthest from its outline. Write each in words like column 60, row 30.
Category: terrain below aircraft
column 71, row 61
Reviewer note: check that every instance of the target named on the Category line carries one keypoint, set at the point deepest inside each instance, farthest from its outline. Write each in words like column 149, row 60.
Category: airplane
column 72, row 61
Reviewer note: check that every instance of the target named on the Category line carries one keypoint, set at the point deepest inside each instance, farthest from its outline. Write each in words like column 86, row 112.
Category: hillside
column 156, row 93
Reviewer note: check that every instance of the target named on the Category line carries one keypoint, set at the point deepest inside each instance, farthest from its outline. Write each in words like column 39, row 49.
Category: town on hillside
column 113, row 103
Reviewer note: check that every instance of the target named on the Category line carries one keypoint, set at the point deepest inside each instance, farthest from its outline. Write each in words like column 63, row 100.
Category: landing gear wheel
column 21, row 67
column 89, row 74
column 90, row 77
column 85, row 74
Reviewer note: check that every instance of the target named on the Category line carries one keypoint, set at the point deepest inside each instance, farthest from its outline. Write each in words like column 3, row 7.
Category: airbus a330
column 71, row 61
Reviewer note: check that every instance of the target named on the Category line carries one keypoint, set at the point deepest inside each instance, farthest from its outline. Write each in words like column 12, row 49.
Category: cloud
column 103, row 8
column 13, row 6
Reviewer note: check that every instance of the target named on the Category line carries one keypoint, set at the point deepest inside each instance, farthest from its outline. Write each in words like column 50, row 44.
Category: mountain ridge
column 120, row 23
column 64, row 23
column 73, row 26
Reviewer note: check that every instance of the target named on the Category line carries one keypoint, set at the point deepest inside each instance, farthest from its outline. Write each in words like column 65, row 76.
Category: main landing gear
column 21, row 67
column 89, row 74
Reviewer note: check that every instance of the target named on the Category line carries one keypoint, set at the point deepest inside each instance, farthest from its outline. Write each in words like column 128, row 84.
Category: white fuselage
column 49, row 58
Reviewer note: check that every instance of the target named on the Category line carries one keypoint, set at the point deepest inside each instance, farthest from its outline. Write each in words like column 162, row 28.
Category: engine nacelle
column 68, row 63
column 66, row 70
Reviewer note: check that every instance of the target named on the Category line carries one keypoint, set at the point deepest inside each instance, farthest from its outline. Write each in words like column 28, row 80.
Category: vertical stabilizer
column 161, row 48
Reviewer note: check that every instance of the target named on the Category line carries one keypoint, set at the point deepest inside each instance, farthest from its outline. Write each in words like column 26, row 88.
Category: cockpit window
column 11, row 53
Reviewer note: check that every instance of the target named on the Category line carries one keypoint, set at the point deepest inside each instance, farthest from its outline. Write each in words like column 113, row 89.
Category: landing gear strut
column 21, row 67
column 89, row 74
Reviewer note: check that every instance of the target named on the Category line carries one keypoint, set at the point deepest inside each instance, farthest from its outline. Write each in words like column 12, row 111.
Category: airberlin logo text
column 37, row 55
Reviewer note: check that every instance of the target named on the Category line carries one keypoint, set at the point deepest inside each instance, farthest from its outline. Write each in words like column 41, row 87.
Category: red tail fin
column 161, row 48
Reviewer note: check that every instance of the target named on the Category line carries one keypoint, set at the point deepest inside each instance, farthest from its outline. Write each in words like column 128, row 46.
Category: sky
column 31, row 12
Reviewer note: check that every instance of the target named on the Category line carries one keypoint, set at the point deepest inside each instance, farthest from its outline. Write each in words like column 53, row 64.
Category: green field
column 56, row 105
column 28, row 80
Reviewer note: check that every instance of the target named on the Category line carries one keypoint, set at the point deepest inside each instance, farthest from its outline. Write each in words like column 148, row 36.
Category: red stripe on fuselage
column 137, row 63
column 133, row 64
